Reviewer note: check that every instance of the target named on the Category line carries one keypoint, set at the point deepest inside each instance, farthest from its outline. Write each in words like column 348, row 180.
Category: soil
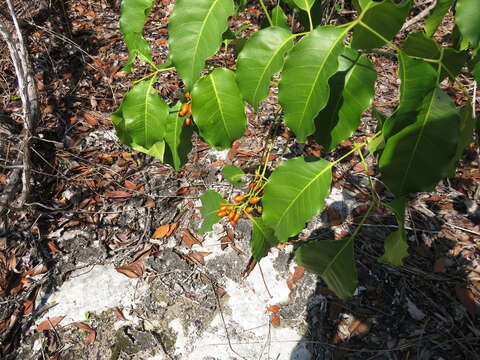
column 83, row 277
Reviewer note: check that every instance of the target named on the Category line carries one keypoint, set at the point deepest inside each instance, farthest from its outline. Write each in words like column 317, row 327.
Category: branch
column 421, row 15
column 28, row 95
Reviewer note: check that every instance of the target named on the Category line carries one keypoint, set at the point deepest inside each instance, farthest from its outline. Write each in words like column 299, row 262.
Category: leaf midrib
column 220, row 109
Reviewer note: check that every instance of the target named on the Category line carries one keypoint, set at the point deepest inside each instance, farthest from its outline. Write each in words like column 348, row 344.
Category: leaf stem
column 310, row 19
column 267, row 14
column 158, row 71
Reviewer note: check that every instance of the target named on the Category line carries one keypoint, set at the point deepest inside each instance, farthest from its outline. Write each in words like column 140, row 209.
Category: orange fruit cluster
column 245, row 204
column 186, row 111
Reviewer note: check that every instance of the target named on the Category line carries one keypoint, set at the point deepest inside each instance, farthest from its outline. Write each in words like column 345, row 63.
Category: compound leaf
column 294, row 194
column 433, row 20
column 233, row 175
column 263, row 238
column 333, row 261
column 351, row 93
column 134, row 13
column 419, row 155
column 195, row 33
column 218, row 108
column 261, row 57
column 466, row 17
column 211, row 202
column 385, row 18
column 178, row 139
column 304, row 89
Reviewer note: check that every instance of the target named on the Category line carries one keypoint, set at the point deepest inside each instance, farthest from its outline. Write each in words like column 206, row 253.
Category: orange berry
column 184, row 110
column 238, row 198
column 254, row 200
column 222, row 213
column 224, row 208
column 248, row 210
column 236, row 217
column 187, row 122
column 231, row 216
column 187, row 95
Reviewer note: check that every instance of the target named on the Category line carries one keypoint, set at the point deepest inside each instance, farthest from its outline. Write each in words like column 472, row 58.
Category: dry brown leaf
column 275, row 320
column 298, row 273
column 164, row 231
column 199, row 256
column 28, row 307
column 37, row 270
column 224, row 241
column 358, row 328
column 273, row 308
column 440, row 264
column 90, row 120
column 3, row 325
column 117, row 194
column 189, row 239
column 91, row 337
column 133, row 270
column 250, row 266
column 150, row 203
column 82, row 325
column 52, row 247
column 130, row 185
column 119, row 314
column 50, row 323
column 467, row 298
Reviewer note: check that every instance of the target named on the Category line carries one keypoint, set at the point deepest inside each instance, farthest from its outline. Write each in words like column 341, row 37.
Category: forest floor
column 104, row 260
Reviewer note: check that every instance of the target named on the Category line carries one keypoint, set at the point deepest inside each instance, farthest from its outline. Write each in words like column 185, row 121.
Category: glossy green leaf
column 417, row 79
column 195, row 33
column 279, row 18
column 453, row 61
column 396, row 247
column 434, row 19
column 234, row 175
column 467, row 18
column 178, row 139
column 211, row 202
column 304, row 89
column 263, row 238
column 218, row 108
column 294, row 194
column 333, row 261
column 351, row 93
column 418, row 156
column 261, row 57
column 384, row 18
column 134, row 13
column 476, row 72
column 304, row 4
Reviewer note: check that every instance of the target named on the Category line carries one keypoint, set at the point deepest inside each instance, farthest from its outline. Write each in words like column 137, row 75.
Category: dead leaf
column 298, row 273
column 82, row 325
column 130, row 185
column 273, row 308
column 189, row 239
column 91, row 337
column 250, row 266
column 118, row 313
column 224, row 241
column 52, row 247
column 164, row 231
column 28, row 307
column 90, row 120
column 150, row 203
column 199, row 256
column 467, row 298
column 50, row 323
column 440, row 264
column 358, row 328
column 275, row 320
column 133, row 270
column 117, row 194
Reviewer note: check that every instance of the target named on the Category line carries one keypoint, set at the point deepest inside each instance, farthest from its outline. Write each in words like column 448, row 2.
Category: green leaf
column 261, row 57
column 417, row 79
column 376, row 144
column 178, row 138
column 304, row 89
column 467, row 128
column 418, row 156
column 333, row 261
column 234, row 175
column 476, row 72
column 134, row 13
column 453, row 61
column 294, row 194
column 304, row 4
column 263, row 238
column 467, row 18
column 140, row 120
column 195, row 33
column 211, row 202
column 351, row 93
column 434, row 19
column 396, row 247
column 384, row 18
column 279, row 18
column 218, row 108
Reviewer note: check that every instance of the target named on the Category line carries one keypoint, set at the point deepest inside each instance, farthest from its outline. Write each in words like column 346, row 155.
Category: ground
column 82, row 275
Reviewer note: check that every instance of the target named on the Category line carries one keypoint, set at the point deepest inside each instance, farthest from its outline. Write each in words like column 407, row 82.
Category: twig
column 28, row 95
column 424, row 13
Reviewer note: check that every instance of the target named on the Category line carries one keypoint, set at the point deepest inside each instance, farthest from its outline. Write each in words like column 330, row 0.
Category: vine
column 327, row 82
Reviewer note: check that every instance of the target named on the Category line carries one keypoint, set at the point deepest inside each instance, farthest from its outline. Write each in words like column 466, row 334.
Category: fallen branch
column 12, row 35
